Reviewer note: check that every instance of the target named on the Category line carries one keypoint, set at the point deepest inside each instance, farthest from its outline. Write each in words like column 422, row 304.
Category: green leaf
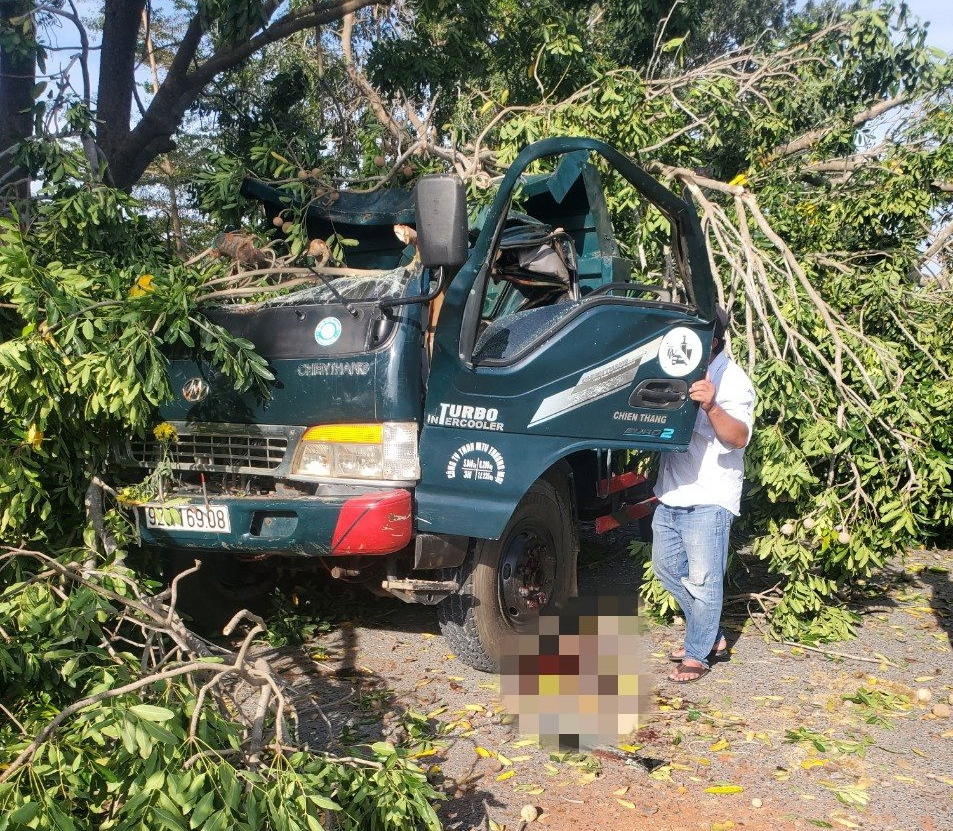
column 150, row 712
column 168, row 819
column 26, row 813
column 324, row 802
column 202, row 810
column 154, row 782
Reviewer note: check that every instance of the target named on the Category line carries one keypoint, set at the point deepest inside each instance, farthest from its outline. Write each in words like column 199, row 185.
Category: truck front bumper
column 373, row 523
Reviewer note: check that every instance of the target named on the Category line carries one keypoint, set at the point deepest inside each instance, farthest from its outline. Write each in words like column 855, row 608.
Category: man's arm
column 730, row 430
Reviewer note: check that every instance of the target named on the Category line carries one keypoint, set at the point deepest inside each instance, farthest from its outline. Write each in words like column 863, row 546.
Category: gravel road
column 775, row 737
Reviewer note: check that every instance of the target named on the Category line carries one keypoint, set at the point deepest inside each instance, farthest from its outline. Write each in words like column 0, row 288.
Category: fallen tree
column 820, row 163
column 819, row 159
column 116, row 715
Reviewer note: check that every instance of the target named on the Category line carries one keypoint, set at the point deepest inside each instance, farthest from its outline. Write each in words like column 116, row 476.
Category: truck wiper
column 389, row 302
column 337, row 295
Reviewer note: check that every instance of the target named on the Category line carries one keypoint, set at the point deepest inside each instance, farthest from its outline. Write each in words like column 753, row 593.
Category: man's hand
column 729, row 429
column 703, row 391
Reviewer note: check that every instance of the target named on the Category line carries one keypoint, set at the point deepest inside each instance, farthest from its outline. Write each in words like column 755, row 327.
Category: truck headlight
column 385, row 451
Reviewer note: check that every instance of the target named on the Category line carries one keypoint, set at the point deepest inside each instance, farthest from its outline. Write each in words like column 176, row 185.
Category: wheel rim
column 527, row 574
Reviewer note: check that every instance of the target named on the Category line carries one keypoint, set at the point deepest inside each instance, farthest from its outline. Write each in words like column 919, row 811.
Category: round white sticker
column 680, row 351
column 327, row 331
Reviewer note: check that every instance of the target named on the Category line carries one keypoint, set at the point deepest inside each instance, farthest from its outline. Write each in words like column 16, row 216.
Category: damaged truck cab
column 445, row 411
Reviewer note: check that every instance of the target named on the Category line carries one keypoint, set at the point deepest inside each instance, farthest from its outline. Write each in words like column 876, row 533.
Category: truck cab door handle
column 659, row 394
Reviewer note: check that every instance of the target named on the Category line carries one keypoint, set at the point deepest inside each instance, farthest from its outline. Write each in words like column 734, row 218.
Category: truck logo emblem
column 327, row 331
column 195, row 390
column 681, row 352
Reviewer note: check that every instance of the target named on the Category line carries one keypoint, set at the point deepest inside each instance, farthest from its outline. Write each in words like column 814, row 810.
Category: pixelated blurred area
column 578, row 681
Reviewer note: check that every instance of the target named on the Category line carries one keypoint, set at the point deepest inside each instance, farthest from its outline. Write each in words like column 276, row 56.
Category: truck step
column 620, row 482
column 625, row 515
column 427, row 592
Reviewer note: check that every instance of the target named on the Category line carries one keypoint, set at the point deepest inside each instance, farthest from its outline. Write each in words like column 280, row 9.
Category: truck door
column 526, row 371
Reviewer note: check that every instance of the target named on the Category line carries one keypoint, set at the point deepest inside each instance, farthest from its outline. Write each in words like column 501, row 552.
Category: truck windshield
column 356, row 285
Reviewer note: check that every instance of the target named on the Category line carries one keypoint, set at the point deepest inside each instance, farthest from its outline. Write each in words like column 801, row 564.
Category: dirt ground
column 776, row 737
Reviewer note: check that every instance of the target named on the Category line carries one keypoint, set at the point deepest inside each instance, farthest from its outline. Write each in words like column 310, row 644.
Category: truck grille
column 215, row 451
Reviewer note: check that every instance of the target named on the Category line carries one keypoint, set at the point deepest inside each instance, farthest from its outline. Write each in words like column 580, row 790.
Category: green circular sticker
column 327, row 331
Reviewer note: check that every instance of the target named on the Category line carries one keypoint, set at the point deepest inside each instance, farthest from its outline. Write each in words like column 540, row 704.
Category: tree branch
column 190, row 667
column 131, row 152
column 812, row 137
column 940, row 242
column 357, row 78
column 306, row 17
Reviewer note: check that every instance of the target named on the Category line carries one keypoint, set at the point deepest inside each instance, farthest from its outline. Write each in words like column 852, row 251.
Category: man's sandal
column 695, row 672
column 714, row 655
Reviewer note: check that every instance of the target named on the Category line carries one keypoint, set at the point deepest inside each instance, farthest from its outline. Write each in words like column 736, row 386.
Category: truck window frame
column 583, row 304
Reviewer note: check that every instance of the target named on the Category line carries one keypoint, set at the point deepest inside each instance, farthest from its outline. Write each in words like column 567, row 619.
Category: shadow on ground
column 941, row 596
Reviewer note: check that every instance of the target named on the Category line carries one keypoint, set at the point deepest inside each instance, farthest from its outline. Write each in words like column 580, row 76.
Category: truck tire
column 223, row 585
column 537, row 553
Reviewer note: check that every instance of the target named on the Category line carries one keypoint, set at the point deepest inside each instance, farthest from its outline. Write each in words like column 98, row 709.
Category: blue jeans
column 689, row 556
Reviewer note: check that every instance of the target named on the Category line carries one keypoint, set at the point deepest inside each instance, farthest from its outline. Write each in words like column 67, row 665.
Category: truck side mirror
column 441, row 217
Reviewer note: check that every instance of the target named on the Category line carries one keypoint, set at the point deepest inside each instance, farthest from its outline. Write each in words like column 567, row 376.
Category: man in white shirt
column 699, row 494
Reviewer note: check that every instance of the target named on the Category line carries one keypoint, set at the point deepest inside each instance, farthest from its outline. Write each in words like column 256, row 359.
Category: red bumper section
column 374, row 523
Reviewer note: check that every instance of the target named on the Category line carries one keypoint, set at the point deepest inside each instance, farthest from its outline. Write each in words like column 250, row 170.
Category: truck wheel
column 505, row 583
column 223, row 586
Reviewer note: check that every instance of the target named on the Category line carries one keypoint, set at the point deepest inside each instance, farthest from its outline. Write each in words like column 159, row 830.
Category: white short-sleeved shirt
column 709, row 472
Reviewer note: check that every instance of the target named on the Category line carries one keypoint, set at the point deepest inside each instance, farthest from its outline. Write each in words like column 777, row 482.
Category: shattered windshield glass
column 356, row 285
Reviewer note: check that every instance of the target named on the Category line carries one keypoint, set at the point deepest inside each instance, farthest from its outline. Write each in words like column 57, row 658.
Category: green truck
column 446, row 412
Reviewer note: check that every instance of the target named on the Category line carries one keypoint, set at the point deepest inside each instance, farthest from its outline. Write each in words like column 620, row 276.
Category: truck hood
column 330, row 366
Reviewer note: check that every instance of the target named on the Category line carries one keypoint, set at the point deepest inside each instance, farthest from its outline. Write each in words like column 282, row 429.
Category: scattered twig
column 832, row 654
column 174, row 587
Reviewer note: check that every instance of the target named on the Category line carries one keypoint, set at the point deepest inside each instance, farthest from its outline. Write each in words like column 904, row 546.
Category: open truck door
column 549, row 342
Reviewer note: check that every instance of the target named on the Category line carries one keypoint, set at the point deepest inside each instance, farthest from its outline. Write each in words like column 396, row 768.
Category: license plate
column 213, row 519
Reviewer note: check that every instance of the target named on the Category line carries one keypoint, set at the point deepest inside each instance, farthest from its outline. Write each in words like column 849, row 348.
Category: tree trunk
column 117, row 73
column 132, row 151
column 17, row 77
